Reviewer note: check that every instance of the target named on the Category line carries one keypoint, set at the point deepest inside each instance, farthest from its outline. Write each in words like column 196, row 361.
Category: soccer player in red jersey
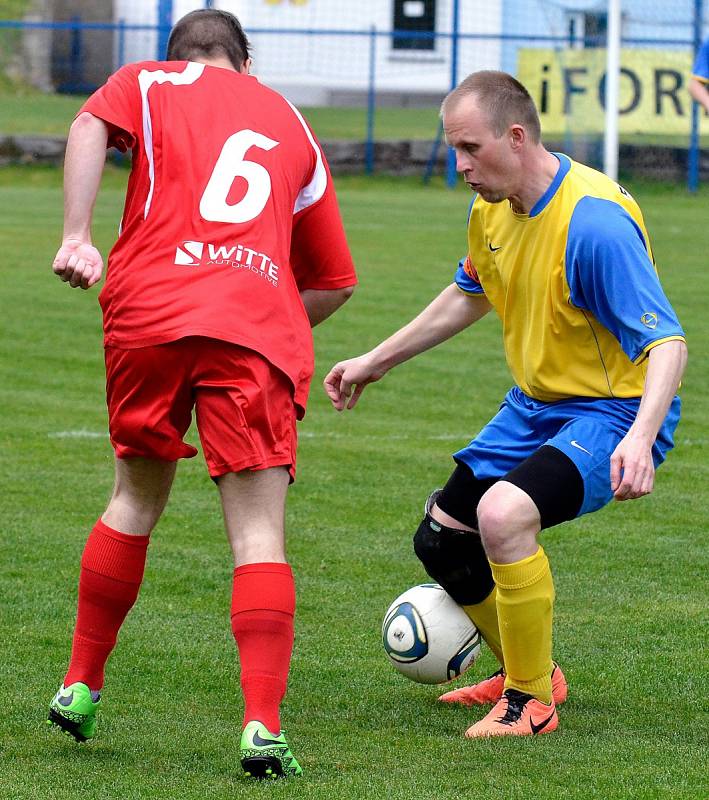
column 231, row 248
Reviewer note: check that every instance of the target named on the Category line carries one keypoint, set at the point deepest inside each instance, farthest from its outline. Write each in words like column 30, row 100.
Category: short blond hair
column 502, row 98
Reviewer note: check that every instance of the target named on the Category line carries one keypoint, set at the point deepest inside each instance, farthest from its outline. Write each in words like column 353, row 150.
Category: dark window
column 587, row 29
column 416, row 16
column 595, row 29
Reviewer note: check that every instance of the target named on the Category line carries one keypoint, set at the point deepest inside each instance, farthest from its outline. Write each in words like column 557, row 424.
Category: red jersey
column 230, row 212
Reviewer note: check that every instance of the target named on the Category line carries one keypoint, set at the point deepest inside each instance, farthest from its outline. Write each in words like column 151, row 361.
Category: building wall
column 311, row 68
column 658, row 21
column 84, row 58
column 31, row 62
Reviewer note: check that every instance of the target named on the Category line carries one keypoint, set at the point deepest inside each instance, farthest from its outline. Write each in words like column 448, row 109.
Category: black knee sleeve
column 455, row 559
column 553, row 482
column 460, row 496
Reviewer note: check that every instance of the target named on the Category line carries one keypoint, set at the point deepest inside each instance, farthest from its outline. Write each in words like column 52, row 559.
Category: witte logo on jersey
column 237, row 256
column 189, row 254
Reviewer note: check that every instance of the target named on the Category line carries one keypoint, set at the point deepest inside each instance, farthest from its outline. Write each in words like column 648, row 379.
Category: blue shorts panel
column 587, row 430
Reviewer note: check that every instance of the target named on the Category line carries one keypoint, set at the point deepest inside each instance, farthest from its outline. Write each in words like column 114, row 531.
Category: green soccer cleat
column 264, row 755
column 73, row 709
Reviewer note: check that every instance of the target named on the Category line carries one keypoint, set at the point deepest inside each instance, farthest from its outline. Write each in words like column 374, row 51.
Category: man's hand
column 448, row 314
column 700, row 92
column 632, row 468
column 355, row 373
column 78, row 263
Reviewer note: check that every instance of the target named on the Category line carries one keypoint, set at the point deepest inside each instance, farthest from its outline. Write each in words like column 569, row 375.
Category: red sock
column 111, row 573
column 262, row 610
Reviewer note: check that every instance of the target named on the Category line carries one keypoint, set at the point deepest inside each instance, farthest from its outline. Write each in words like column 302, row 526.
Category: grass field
column 38, row 114
column 48, row 114
column 631, row 580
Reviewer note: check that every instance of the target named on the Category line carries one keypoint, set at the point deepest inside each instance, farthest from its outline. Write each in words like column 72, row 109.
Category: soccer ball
column 428, row 637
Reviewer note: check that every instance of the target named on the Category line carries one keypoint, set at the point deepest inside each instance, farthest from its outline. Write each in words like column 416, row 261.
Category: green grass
column 13, row 9
column 31, row 113
column 28, row 112
column 631, row 611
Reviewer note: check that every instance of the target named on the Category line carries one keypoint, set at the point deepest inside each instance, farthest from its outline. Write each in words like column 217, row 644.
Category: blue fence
column 74, row 72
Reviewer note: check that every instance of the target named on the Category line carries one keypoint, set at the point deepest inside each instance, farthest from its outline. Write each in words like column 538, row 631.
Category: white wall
column 137, row 45
column 308, row 67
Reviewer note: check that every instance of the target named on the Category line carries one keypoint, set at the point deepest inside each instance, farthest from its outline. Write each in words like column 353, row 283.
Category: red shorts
column 244, row 405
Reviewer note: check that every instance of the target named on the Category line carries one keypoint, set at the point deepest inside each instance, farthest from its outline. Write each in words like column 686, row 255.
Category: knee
column 455, row 559
column 134, row 511
column 506, row 513
column 139, row 519
column 493, row 521
column 140, row 493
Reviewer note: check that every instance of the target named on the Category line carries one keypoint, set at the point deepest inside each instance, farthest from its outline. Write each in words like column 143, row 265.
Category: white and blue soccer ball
column 428, row 637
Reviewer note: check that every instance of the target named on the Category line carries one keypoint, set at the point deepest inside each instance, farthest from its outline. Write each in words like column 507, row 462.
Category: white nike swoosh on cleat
column 575, row 444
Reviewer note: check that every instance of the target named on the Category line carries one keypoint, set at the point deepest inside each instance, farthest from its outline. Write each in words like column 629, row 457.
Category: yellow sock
column 525, row 600
column 484, row 615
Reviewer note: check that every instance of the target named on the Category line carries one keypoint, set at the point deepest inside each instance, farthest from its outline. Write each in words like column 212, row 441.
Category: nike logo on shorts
column 575, row 444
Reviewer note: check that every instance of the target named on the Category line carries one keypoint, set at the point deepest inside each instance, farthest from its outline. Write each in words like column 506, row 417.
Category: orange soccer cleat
column 490, row 690
column 516, row 714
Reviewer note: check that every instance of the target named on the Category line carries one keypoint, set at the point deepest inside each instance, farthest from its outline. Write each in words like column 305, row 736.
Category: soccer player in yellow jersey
column 561, row 253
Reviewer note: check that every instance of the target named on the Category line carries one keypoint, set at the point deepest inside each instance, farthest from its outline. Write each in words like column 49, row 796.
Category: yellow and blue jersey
column 700, row 70
column 575, row 285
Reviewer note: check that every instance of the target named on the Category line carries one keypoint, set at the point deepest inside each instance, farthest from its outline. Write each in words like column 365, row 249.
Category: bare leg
column 254, row 514
column 263, row 596
column 141, row 490
column 113, row 562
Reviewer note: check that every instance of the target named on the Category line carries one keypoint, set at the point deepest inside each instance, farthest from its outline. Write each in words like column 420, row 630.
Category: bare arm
column 450, row 312
column 320, row 303
column 78, row 262
column 700, row 92
column 632, row 468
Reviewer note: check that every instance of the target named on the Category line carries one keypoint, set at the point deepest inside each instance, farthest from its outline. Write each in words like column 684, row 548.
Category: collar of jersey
column 545, row 199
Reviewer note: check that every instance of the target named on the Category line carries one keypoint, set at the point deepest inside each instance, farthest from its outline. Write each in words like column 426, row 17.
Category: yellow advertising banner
column 568, row 87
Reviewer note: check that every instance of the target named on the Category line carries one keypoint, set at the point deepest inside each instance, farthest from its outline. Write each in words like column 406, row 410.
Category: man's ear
column 246, row 67
column 518, row 136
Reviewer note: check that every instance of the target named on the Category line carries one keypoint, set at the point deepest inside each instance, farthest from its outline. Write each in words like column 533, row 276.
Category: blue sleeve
column 701, row 64
column 610, row 274
column 466, row 278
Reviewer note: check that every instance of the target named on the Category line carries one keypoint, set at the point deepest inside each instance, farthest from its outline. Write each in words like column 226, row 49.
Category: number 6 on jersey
column 231, row 164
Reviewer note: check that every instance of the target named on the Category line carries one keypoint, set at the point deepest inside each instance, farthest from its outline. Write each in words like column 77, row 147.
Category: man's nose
column 462, row 161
